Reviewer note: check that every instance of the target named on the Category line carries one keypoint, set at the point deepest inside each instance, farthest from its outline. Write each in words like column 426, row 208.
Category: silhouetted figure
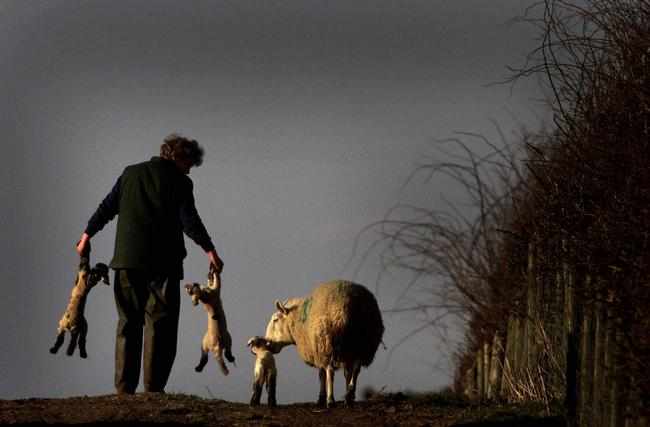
column 154, row 202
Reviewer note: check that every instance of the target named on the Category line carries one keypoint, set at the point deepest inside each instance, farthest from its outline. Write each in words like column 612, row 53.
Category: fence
column 562, row 345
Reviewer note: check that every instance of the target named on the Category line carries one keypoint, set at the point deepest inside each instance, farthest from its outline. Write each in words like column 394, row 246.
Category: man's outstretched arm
column 193, row 227
column 106, row 211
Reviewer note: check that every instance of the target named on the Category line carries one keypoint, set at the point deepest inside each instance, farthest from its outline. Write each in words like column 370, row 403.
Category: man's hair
column 178, row 147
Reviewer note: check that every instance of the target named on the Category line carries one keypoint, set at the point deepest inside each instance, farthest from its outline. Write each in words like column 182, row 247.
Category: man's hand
column 216, row 263
column 83, row 242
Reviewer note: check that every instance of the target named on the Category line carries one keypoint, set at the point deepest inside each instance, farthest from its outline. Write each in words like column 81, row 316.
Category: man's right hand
column 216, row 263
column 83, row 242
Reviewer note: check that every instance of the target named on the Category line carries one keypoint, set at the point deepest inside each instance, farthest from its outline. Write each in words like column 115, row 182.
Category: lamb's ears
column 189, row 287
column 281, row 308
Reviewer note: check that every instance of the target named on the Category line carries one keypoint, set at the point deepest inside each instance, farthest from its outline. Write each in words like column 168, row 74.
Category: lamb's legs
column 83, row 332
column 351, row 374
column 257, row 392
column 322, row 397
column 202, row 361
column 270, row 390
column 74, row 336
column 222, row 363
column 58, row 343
column 329, row 374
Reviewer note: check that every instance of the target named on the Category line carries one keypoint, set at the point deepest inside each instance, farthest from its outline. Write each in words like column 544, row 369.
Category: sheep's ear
column 281, row 308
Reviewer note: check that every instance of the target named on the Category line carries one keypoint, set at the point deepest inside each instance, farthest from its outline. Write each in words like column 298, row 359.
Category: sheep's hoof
column 83, row 355
column 254, row 402
column 322, row 400
column 349, row 399
column 272, row 403
column 198, row 369
column 331, row 404
column 53, row 350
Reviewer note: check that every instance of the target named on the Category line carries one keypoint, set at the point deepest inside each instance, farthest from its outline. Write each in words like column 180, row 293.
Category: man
column 154, row 202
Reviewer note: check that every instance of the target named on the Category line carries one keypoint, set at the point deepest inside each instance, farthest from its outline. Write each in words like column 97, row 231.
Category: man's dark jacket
column 155, row 203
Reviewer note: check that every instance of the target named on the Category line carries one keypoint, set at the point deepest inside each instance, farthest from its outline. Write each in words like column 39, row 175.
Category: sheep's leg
column 83, row 332
column 58, row 343
column 74, row 336
column 257, row 392
column 329, row 374
column 202, row 361
column 270, row 390
column 351, row 375
column 322, row 397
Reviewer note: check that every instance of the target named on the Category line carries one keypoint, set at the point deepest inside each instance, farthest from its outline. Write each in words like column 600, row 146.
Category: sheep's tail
column 222, row 364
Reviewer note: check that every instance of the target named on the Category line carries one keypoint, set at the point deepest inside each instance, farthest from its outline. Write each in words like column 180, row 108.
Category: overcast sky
column 312, row 115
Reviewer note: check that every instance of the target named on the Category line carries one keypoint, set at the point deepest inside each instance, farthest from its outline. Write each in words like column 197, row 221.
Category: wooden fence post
column 508, row 358
column 597, row 371
column 531, row 311
column 573, row 322
column 494, row 377
column 486, row 370
column 586, row 362
column 480, row 390
column 469, row 388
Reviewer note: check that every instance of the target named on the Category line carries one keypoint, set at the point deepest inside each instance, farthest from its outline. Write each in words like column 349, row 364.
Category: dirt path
column 161, row 410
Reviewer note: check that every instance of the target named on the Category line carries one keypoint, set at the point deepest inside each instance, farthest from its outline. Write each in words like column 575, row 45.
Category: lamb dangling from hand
column 217, row 338
column 265, row 371
column 73, row 319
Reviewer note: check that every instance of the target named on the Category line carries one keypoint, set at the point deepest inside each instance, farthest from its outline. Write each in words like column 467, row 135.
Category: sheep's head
column 194, row 290
column 278, row 331
column 97, row 273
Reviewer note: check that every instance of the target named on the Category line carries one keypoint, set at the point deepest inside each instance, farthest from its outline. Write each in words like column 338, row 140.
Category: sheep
column 338, row 325
column 265, row 371
column 73, row 319
column 217, row 339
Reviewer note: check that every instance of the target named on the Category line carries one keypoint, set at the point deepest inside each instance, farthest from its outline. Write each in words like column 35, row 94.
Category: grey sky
column 312, row 115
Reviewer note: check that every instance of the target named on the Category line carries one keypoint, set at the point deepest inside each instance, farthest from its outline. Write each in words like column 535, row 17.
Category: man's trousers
column 151, row 302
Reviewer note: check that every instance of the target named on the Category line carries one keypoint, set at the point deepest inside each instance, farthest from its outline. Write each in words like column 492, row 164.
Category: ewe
column 217, row 338
column 73, row 319
column 338, row 325
column 265, row 371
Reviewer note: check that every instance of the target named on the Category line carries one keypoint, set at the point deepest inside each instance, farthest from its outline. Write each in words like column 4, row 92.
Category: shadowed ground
column 174, row 409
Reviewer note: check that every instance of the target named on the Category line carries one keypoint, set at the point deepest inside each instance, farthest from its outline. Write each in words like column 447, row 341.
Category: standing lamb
column 265, row 370
column 338, row 325
column 73, row 319
column 217, row 338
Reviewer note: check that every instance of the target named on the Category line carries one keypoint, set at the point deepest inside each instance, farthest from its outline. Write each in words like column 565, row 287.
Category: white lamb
column 265, row 371
column 217, row 339
column 73, row 319
column 338, row 325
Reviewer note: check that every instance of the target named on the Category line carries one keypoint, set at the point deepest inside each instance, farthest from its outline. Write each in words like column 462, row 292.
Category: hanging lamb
column 338, row 325
column 217, row 338
column 73, row 319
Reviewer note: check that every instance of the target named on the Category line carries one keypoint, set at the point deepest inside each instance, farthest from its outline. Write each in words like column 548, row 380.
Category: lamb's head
column 194, row 290
column 97, row 273
column 259, row 343
column 279, row 328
